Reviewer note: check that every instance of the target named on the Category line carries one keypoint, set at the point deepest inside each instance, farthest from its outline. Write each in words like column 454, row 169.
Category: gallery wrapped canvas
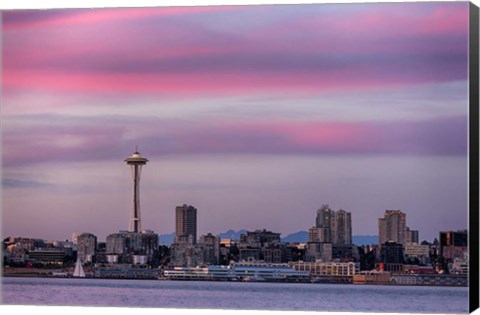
column 289, row 157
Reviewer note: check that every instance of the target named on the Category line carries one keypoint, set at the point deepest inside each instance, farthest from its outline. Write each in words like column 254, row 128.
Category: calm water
column 233, row 295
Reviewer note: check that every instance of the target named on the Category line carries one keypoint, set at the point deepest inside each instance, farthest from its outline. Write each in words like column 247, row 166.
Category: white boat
column 79, row 272
column 59, row 274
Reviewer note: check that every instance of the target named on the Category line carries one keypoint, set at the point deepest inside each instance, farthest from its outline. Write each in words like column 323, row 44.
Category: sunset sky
column 255, row 115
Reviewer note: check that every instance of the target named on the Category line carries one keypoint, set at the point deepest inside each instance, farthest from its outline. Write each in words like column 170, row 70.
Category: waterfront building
column 414, row 269
column 372, row 277
column 459, row 266
column 47, row 256
column 269, row 272
column 136, row 162
column 391, row 257
column 392, row 253
column 27, row 250
column 453, row 244
column 11, row 258
column 460, row 280
column 185, row 224
column 392, row 227
column 238, row 272
column 86, row 247
column 321, row 268
column 122, row 247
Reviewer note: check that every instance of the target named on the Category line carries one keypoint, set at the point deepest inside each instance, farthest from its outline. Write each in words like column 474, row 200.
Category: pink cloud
column 133, row 51
column 68, row 17
column 231, row 78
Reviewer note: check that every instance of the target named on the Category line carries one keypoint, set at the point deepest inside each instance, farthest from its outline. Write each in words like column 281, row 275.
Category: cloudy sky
column 255, row 115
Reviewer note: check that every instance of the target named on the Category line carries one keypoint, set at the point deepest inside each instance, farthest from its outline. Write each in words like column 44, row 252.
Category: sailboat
column 79, row 272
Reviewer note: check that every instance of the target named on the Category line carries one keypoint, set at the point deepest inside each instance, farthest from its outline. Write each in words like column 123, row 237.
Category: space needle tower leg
column 136, row 161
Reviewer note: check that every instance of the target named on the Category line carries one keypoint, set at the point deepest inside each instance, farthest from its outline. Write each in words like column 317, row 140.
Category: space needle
column 136, row 161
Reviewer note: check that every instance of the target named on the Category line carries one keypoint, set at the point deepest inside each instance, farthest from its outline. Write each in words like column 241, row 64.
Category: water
column 234, row 295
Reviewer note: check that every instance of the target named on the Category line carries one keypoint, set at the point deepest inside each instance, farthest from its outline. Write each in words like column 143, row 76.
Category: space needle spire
column 136, row 161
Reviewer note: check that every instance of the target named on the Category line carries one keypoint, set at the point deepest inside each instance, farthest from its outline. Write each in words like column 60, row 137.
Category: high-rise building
column 319, row 235
column 259, row 238
column 324, row 221
column 86, row 245
column 136, row 161
column 418, row 251
column 453, row 244
column 392, row 227
column 411, row 236
column 392, row 253
column 186, row 224
column 331, row 227
column 341, row 227
column 129, row 246
column 318, row 251
column 74, row 238
column 210, row 245
column 324, row 217
column 253, row 244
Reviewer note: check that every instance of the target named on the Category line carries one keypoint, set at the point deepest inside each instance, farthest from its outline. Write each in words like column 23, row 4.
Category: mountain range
column 297, row 237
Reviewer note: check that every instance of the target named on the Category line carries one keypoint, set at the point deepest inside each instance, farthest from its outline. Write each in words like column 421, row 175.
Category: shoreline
column 312, row 281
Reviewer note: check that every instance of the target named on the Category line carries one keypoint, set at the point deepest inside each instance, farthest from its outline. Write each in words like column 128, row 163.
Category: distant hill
column 365, row 239
column 302, row 237
column 166, row 239
column 297, row 237
column 231, row 234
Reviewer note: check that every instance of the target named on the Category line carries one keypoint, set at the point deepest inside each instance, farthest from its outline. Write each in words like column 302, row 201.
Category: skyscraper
column 392, row 227
column 342, row 227
column 86, row 246
column 136, row 161
column 323, row 223
column 128, row 246
column 332, row 226
column 411, row 237
column 186, row 224
column 453, row 244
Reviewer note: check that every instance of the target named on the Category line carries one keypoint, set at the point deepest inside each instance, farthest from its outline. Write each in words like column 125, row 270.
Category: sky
column 255, row 115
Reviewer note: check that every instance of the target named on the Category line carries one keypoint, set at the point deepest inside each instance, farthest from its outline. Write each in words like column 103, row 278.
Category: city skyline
column 256, row 125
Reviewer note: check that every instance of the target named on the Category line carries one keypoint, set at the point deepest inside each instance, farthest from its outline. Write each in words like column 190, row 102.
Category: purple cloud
column 92, row 139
